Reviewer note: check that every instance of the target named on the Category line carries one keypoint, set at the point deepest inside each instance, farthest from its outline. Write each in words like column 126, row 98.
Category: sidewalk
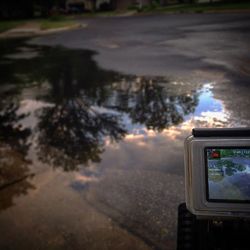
column 34, row 29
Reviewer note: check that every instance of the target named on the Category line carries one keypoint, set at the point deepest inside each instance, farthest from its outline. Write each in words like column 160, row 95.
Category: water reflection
column 11, row 130
column 15, row 176
column 14, row 146
column 150, row 102
column 60, row 109
column 86, row 105
column 115, row 139
column 72, row 133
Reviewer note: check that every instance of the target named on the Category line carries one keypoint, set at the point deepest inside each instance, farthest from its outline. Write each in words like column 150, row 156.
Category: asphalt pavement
column 150, row 79
column 162, row 44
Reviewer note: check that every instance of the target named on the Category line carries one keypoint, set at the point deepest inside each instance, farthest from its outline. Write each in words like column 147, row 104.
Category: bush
column 133, row 7
column 105, row 7
column 56, row 18
column 145, row 8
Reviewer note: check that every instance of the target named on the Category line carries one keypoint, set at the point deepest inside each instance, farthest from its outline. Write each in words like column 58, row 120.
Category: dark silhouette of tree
column 86, row 104
column 93, row 3
column 16, row 8
column 14, row 170
column 14, row 176
column 150, row 103
column 11, row 131
column 26, row 8
column 72, row 131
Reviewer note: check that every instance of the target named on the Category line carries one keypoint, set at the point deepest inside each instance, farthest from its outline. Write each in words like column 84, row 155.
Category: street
column 93, row 120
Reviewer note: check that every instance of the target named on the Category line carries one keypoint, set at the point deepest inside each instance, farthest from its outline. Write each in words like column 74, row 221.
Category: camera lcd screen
column 228, row 174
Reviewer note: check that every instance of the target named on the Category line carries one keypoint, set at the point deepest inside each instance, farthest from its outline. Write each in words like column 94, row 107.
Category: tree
column 14, row 149
column 93, row 3
column 16, row 8
column 26, row 8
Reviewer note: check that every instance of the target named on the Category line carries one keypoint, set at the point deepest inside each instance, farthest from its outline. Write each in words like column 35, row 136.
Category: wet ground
column 92, row 124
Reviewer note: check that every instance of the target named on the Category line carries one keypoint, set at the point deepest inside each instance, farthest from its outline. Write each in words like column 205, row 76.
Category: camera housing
column 217, row 172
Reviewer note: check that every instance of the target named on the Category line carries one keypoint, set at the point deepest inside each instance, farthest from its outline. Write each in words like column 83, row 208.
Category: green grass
column 7, row 25
column 45, row 24
column 202, row 7
column 56, row 22
column 49, row 24
column 100, row 14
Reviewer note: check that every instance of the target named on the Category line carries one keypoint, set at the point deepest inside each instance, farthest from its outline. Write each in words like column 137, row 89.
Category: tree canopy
column 27, row 8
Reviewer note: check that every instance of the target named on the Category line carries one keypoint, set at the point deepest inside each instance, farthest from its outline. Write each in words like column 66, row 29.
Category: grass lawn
column 200, row 7
column 48, row 24
column 43, row 24
column 67, row 21
column 7, row 25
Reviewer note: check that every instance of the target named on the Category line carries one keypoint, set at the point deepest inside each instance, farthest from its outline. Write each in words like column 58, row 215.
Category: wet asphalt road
column 193, row 47
column 163, row 45
column 143, row 82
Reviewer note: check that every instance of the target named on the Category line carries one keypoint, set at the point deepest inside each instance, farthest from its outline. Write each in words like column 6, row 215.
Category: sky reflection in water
column 64, row 104
column 60, row 110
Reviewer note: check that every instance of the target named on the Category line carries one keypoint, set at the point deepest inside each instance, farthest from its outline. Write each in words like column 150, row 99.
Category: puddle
column 114, row 140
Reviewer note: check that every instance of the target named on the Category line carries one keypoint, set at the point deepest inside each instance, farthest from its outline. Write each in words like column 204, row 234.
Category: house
column 124, row 4
column 168, row 2
column 87, row 5
column 114, row 4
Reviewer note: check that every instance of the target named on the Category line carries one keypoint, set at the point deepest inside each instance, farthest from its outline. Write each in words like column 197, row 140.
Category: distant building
column 114, row 4
column 167, row 2
column 124, row 4
column 209, row 1
column 87, row 5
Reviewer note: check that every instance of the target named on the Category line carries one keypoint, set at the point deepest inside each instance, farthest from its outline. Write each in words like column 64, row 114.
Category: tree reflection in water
column 72, row 133
column 152, row 104
column 11, row 131
column 14, row 176
column 90, row 105
column 14, row 171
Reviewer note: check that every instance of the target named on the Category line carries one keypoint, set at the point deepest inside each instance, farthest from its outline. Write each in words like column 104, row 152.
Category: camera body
column 217, row 173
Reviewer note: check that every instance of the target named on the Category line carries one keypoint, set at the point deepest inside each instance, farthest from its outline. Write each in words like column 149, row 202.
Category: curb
column 18, row 32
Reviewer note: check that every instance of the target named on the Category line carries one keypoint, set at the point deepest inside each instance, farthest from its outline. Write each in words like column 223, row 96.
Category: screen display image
column 228, row 174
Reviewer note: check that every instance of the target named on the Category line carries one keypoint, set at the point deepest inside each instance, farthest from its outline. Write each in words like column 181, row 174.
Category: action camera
column 217, row 172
